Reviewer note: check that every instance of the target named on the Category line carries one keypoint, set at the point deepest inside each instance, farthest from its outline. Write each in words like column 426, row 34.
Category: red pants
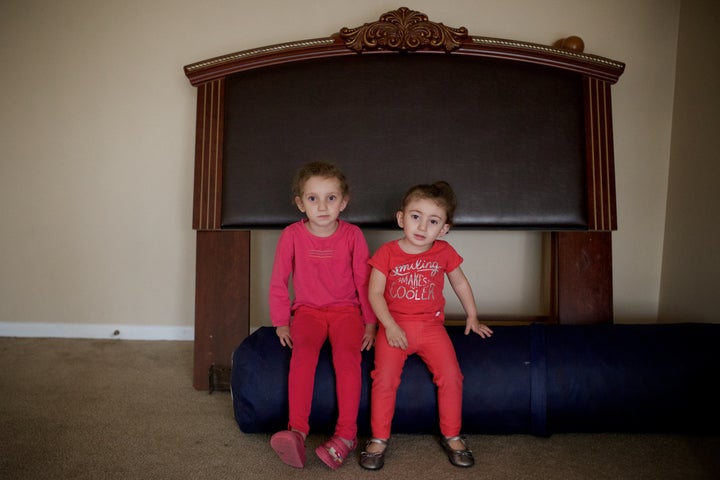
column 309, row 329
column 429, row 339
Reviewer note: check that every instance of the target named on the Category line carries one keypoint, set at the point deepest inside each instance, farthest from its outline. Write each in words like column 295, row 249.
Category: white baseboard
column 83, row 330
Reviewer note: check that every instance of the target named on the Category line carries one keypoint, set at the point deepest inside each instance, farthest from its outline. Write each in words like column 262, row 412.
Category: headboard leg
column 222, row 299
column 583, row 277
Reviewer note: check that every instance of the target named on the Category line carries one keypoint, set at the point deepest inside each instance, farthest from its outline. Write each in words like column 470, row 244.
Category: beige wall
column 690, row 288
column 97, row 132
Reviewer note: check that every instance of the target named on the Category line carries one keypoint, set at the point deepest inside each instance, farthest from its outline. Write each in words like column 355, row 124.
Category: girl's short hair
column 440, row 192
column 318, row 169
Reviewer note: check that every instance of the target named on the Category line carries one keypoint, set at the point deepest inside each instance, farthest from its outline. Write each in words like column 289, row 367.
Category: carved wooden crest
column 403, row 30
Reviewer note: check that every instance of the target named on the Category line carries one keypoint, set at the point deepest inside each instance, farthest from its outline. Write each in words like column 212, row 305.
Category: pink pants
column 309, row 329
column 429, row 339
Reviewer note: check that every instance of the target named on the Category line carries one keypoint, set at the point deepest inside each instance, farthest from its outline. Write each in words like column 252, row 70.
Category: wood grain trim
column 207, row 196
column 602, row 210
column 403, row 30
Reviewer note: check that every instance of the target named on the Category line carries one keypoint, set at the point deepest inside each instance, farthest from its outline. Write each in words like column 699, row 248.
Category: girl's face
column 322, row 201
column 423, row 222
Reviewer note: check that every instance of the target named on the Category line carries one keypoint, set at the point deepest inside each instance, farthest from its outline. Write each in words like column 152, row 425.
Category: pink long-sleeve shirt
column 326, row 271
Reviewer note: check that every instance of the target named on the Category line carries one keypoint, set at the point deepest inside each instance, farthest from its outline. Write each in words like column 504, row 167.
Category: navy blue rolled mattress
column 535, row 379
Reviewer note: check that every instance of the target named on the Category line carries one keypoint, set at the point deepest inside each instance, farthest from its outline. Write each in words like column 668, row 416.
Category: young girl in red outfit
column 406, row 293
column 328, row 261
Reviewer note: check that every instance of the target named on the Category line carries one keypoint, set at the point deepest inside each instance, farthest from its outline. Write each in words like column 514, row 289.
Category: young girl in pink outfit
column 406, row 293
column 327, row 259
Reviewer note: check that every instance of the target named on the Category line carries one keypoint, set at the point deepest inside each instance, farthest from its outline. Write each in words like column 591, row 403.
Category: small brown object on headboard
column 522, row 131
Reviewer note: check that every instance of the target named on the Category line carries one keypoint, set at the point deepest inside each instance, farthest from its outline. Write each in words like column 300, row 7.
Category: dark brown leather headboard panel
column 509, row 137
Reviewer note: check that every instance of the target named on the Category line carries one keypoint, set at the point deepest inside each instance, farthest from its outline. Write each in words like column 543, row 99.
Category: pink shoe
column 290, row 447
column 334, row 452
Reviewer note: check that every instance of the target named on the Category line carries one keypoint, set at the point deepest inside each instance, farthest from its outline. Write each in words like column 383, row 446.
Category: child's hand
column 284, row 334
column 369, row 337
column 396, row 336
column 473, row 325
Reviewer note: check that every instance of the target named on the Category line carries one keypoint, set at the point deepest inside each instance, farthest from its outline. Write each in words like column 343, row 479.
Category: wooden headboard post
column 222, row 273
column 580, row 241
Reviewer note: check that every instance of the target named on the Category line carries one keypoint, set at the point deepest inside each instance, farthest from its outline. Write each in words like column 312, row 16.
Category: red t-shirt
column 414, row 282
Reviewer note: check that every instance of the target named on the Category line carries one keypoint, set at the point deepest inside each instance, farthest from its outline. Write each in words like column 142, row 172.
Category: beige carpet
column 113, row 409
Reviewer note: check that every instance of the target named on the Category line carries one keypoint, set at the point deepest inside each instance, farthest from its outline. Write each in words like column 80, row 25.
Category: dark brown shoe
column 373, row 460
column 459, row 458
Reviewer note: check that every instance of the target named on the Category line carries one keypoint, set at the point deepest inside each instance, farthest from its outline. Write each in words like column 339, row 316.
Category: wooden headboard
column 522, row 131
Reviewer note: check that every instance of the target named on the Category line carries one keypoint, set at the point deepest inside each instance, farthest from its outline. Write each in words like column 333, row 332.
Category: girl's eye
column 311, row 198
column 434, row 222
column 415, row 216
column 332, row 198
